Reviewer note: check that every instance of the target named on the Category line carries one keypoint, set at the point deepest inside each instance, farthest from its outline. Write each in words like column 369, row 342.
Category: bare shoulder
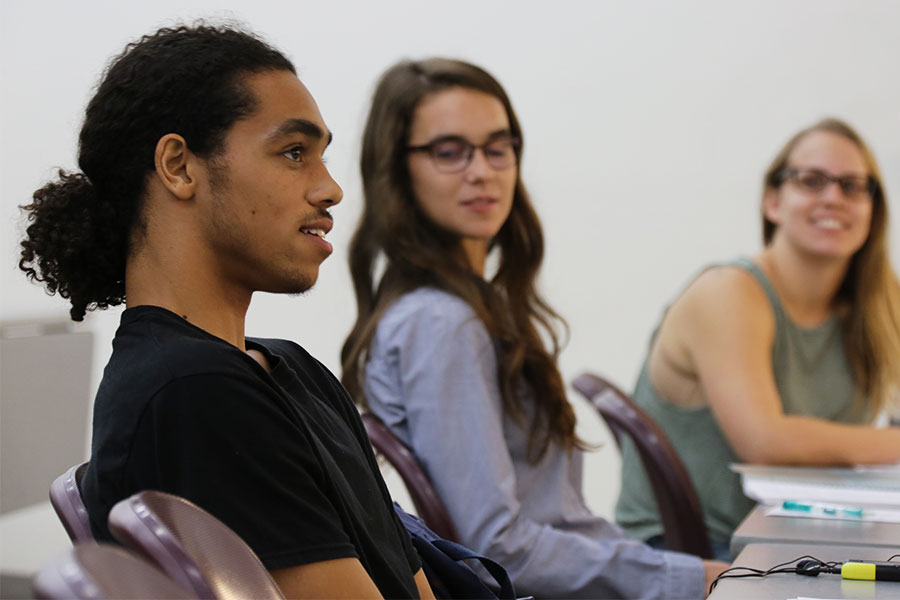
column 723, row 282
column 722, row 301
column 723, row 291
column 722, row 315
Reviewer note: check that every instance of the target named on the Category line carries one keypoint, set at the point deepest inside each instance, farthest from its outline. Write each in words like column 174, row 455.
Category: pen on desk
column 831, row 510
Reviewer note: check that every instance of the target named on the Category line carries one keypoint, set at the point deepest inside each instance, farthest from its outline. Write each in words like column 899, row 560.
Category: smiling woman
column 451, row 357
column 785, row 358
column 464, row 189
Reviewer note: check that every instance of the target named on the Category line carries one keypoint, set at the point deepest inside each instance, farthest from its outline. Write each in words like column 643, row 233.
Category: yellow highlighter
column 871, row 570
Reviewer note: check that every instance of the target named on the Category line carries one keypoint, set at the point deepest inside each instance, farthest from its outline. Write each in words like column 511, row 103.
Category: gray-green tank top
column 813, row 378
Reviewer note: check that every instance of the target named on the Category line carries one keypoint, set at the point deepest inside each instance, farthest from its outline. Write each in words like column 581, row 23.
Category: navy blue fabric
column 442, row 561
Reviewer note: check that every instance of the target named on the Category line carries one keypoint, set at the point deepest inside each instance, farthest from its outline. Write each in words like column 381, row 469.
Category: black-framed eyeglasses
column 452, row 153
column 814, row 181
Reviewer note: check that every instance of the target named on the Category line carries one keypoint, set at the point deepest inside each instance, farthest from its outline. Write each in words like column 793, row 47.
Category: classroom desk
column 791, row 585
column 758, row 528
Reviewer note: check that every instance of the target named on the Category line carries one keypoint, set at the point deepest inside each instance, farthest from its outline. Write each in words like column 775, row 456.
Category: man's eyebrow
column 301, row 126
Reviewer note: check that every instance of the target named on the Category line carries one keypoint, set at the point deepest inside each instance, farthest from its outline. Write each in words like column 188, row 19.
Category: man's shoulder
column 155, row 338
column 285, row 349
column 154, row 347
column 314, row 376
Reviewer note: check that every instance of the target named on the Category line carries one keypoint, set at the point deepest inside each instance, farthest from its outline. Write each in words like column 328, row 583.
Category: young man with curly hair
column 201, row 182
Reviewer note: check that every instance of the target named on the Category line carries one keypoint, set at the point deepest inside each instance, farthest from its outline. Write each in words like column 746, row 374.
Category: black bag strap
column 443, row 561
column 459, row 552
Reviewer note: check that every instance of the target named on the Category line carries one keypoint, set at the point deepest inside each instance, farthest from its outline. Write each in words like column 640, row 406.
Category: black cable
column 818, row 566
column 729, row 573
column 762, row 572
column 796, row 560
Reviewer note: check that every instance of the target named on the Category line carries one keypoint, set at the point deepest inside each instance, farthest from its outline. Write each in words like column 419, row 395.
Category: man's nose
column 326, row 192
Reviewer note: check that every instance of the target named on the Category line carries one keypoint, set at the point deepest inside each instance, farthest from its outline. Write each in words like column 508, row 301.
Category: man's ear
column 771, row 203
column 176, row 166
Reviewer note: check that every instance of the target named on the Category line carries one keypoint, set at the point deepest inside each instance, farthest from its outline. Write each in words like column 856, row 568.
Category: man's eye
column 295, row 154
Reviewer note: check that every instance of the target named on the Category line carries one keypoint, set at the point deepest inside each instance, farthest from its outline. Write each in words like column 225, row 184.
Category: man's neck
column 193, row 293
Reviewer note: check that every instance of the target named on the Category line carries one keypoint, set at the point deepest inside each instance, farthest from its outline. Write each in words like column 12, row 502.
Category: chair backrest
column 65, row 496
column 191, row 546
column 100, row 571
column 426, row 500
column 679, row 506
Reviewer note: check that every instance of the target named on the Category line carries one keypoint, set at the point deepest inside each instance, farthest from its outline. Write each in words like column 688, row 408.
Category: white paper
column 873, row 487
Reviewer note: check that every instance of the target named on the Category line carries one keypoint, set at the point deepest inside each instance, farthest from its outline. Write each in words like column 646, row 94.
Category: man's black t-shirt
column 281, row 457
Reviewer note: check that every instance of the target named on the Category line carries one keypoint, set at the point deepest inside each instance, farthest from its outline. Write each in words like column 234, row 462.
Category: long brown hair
column 418, row 253
column 870, row 290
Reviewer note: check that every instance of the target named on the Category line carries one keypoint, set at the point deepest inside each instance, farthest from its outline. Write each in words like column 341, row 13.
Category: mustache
column 321, row 213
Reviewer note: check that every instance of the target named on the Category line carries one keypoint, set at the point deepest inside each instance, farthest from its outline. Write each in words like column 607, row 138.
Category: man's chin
column 300, row 289
column 295, row 286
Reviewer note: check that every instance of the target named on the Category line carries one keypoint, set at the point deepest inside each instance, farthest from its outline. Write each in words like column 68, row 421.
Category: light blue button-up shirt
column 431, row 376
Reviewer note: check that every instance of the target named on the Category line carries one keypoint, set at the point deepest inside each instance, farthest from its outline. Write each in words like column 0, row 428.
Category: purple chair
column 428, row 504
column 65, row 496
column 98, row 572
column 679, row 507
column 191, row 546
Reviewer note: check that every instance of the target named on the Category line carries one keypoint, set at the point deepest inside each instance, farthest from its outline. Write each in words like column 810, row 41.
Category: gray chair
column 676, row 498
column 65, row 497
column 191, row 546
column 99, row 572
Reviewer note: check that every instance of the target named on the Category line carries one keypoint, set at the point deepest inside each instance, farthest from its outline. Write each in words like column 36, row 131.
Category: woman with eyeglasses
column 786, row 358
column 449, row 353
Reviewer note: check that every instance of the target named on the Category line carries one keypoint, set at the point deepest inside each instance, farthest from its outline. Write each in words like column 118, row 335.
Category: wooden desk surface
column 791, row 585
column 758, row 528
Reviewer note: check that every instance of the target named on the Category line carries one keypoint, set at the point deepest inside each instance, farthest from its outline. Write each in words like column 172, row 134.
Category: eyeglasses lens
column 854, row 186
column 815, row 182
column 451, row 154
column 455, row 155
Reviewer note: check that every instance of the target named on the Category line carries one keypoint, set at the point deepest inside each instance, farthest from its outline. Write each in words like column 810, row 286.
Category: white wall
column 648, row 126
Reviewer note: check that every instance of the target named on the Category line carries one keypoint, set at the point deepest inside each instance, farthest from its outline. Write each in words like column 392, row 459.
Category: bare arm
column 425, row 592
column 713, row 568
column 339, row 578
column 727, row 328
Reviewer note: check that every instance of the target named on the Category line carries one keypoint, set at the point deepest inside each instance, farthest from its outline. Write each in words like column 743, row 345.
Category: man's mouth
column 313, row 231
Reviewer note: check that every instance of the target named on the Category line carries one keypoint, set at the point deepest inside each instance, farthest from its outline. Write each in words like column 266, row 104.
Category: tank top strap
column 751, row 267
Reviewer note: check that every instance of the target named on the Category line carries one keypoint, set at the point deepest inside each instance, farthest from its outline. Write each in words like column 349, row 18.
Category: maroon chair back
column 65, row 496
column 191, row 546
column 679, row 507
column 428, row 504
column 98, row 572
